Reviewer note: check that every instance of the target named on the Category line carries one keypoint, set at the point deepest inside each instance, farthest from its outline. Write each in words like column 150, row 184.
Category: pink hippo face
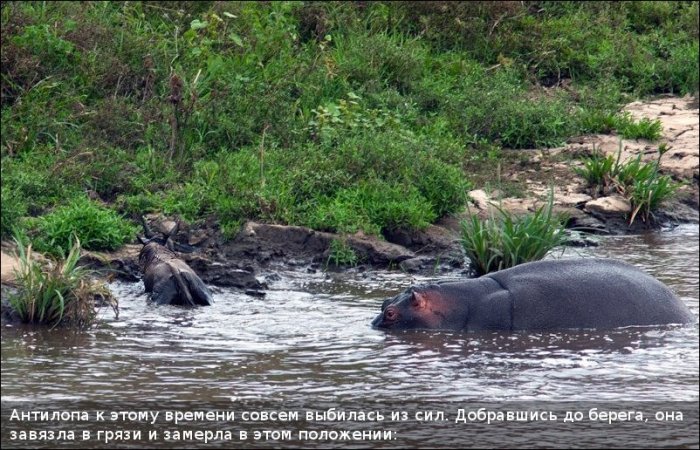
column 419, row 308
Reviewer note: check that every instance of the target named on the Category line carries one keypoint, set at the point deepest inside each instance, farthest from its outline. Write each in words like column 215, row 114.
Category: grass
column 639, row 182
column 288, row 112
column 505, row 240
column 341, row 254
column 623, row 123
column 57, row 292
column 598, row 171
column 97, row 227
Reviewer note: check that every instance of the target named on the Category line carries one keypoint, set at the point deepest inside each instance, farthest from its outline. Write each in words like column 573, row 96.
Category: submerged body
column 169, row 279
column 541, row 295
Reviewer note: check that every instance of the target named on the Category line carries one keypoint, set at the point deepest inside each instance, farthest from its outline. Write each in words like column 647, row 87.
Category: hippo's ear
column 419, row 300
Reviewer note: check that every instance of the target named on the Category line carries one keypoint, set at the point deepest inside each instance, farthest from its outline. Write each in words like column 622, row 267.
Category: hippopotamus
column 541, row 295
column 166, row 277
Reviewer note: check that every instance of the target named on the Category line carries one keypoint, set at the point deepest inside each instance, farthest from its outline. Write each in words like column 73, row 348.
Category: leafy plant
column 639, row 182
column 505, row 240
column 644, row 128
column 12, row 209
column 598, row 171
column 646, row 194
column 56, row 292
column 593, row 121
column 97, row 227
column 643, row 185
column 340, row 253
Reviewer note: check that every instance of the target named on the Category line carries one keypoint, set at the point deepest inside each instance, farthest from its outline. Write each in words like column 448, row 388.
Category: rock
column 434, row 239
column 480, row 198
column 571, row 199
column 122, row 263
column 614, row 205
column 579, row 220
column 224, row 274
column 303, row 244
column 374, row 251
column 167, row 226
column 578, row 239
column 255, row 293
column 675, row 212
column 417, row 264
column 286, row 240
column 9, row 264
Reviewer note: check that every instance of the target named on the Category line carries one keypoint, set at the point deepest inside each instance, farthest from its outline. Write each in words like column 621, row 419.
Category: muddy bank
column 254, row 254
column 248, row 260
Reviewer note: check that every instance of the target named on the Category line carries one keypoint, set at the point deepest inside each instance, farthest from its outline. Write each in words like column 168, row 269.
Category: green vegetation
column 624, row 124
column 341, row 254
column 506, row 240
column 56, row 292
column 98, row 228
column 341, row 116
column 598, row 171
column 639, row 182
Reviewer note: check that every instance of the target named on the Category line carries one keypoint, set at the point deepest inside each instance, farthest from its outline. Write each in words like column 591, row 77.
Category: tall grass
column 598, row 171
column 639, row 182
column 505, row 240
column 56, row 292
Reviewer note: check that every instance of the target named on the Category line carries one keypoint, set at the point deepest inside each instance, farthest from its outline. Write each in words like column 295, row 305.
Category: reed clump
column 57, row 292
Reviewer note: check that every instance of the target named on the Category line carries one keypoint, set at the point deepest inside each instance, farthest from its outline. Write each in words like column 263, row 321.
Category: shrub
column 98, row 227
column 646, row 194
column 505, row 240
column 643, row 185
column 443, row 186
column 57, row 292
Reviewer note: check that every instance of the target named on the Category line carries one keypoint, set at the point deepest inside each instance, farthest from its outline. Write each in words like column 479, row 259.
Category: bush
column 57, row 292
column 98, row 227
column 505, row 240
column 443, row 186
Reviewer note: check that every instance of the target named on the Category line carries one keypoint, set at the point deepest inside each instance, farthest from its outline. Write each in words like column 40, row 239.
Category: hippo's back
column 587, row 293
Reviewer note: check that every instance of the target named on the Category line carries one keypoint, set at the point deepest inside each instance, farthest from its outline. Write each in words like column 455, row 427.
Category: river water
column 309, row 342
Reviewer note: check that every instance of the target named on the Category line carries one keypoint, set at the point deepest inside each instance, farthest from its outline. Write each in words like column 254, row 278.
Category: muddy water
column 309, row 339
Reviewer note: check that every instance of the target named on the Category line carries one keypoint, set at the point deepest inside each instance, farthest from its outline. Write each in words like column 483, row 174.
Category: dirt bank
column 532, row 173
column 524, row 180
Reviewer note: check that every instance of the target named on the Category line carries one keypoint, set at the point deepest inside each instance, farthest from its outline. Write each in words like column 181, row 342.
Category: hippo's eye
column 391, row 314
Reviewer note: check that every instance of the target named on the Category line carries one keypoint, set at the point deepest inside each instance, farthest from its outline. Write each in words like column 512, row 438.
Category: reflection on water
column 310, row 338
